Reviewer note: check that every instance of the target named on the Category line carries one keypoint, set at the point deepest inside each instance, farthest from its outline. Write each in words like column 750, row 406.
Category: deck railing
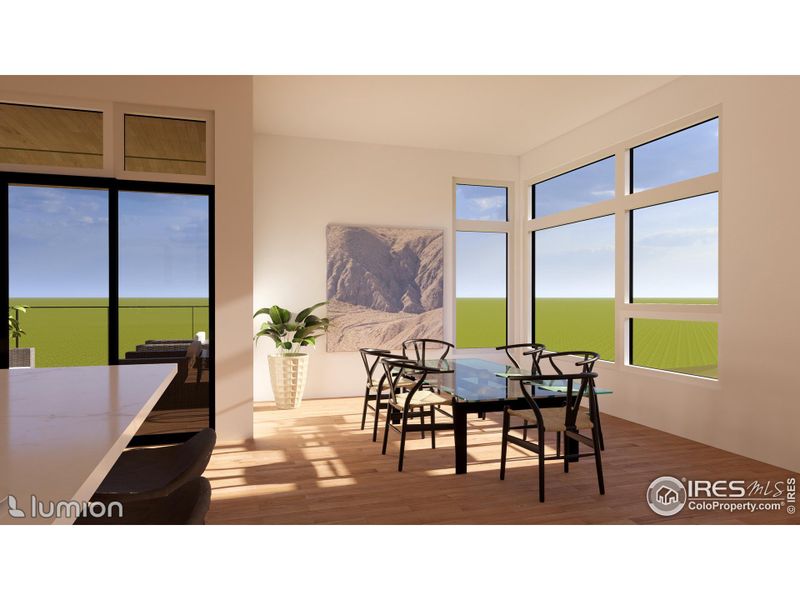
column 18, row 314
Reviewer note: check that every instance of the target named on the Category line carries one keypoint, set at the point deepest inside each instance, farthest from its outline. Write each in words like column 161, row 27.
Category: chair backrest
column 371, row 357
column 586, row 359
column 534, row 350
column 397, row 368
column 424, row 349
column 583, row 381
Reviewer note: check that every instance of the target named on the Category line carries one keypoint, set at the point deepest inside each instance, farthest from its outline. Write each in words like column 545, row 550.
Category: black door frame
column 114, row 187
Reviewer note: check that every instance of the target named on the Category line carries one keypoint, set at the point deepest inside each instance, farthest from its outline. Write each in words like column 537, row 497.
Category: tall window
column 574, row 287
column 674, row 253
column 660, row 215
column 481, row 251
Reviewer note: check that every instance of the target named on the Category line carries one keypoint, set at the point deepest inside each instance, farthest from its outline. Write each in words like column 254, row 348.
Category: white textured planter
column 288, row 375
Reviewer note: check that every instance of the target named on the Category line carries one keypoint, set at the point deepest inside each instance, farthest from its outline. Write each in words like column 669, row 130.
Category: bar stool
column 187, row 505
column 144, row 473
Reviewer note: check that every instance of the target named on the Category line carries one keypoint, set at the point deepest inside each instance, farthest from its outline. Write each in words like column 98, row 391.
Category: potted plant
column 18, row 357
column 288, row 368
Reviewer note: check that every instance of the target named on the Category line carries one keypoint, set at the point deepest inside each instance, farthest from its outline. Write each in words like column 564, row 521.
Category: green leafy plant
column 289, row 333
column 14, row 330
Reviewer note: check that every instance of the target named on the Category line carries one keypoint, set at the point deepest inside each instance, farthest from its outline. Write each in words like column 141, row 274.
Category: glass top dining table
column 479, row 380
column 481, row 386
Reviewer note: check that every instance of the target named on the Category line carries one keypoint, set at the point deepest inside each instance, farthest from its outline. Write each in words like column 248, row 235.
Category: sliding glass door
column 100, row 271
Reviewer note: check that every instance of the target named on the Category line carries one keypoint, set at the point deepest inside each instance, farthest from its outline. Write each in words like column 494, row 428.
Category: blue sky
column 481, row 203
column 576, row 260
column 480, row 265
column 58, row 243
column 587, row 185
column 675, row 249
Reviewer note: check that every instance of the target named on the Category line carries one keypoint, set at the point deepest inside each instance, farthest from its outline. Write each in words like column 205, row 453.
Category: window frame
column 483, row 226
column 621, row 206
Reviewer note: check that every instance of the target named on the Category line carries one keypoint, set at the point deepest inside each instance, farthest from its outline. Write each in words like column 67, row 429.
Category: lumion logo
column 666, row 496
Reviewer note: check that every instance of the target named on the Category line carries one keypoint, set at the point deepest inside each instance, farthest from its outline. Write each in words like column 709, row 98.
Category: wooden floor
column 315, row 465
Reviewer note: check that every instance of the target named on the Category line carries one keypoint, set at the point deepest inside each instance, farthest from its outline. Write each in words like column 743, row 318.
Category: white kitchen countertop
column 61, row 430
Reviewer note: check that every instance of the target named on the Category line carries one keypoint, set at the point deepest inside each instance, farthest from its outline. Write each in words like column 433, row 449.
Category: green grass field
column 588, row 324
column 74, row 336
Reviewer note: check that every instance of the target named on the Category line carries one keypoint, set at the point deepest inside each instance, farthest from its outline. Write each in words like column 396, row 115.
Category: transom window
column 580, row 187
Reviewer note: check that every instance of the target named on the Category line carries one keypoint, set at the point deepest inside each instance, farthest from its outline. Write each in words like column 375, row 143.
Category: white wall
column 231, row 99
column 301, row 185
column 754, row 408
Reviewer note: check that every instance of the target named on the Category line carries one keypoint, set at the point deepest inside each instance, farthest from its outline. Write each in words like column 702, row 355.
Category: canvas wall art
column 385, row 285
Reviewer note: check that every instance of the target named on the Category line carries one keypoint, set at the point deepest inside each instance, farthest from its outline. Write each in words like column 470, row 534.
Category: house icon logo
column 666, row 496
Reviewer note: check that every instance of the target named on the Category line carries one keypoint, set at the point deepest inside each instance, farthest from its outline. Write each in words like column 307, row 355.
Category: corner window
column 481, row 257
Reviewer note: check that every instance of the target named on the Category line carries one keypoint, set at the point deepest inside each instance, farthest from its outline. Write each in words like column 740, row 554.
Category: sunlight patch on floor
column 243, row 490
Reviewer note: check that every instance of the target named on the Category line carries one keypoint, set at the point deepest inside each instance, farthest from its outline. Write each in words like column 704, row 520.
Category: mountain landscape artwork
column 385, row 285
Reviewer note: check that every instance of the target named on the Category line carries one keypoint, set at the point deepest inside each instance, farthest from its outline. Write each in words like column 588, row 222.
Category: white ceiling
column 490, row 114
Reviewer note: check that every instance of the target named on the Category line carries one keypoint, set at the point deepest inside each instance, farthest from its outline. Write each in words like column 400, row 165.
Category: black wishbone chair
column 416, row 402
column 571, row 419
column 587, row 366
column 377, row 385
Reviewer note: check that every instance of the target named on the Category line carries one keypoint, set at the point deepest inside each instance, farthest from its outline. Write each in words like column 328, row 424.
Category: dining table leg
column 460, row 435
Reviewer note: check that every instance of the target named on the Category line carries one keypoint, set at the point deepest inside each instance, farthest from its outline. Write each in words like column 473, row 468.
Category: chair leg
column 558, row 443
column 386, row 428
column 598, row 461
column 377, row 416
column 364, row 414
column 433, row 427
column 599, row 432
column 566, row 457
column 504, row 445
column 422, row 421
column 402, row 440
column 525, row 431
column 541, row 464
